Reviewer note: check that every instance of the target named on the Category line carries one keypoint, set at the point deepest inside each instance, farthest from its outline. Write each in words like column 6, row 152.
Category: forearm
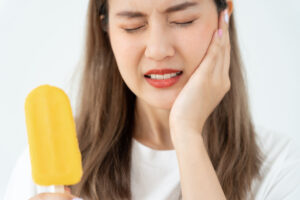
column 198, row 177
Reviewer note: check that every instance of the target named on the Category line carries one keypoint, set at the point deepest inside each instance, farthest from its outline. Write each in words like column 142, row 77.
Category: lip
column 163, row 83
column 162, row 71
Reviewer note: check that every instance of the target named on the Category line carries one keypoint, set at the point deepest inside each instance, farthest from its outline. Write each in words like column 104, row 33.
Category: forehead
column 161, row 6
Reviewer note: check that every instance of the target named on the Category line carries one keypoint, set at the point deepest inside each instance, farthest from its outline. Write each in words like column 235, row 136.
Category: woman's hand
column 206, row 87
column 56, row 196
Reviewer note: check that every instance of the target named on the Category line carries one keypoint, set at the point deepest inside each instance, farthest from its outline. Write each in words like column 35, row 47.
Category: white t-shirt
column 155, row 173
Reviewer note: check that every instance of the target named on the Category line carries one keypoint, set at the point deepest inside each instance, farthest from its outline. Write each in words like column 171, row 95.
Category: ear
column 104, row 26
column 230, row 6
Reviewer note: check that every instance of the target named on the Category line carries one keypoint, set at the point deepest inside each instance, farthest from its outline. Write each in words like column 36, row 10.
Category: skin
column 159, row 44
column 55, row 196
column 176, row 115
column 211, row 79
column 163, row 121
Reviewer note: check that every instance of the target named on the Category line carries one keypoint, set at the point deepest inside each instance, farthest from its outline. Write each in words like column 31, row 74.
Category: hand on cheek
column 207, row 85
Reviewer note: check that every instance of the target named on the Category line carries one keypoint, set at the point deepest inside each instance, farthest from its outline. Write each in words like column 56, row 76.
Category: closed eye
column 132, row 29
column 184, row 23
column 177, row 23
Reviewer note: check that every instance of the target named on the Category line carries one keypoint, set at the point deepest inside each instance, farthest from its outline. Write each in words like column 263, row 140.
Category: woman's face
column 159, row 42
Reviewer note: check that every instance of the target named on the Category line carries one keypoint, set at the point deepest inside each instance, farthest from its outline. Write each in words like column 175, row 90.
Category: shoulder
column 279, row 171
column 277, row 146
column 20, row 185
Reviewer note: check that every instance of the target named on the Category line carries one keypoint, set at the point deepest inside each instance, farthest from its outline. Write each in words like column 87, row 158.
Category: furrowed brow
column 179, row 7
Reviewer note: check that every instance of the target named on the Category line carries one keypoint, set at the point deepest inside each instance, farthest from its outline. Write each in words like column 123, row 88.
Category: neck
column 152, row 126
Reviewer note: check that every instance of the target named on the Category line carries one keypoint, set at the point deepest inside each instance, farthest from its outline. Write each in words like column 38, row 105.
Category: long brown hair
column 105, row 121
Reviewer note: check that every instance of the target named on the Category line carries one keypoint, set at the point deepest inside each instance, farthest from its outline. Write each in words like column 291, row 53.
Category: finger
column 67, row 190
column 227, row 46
column 55, row 196
column 221, row 70
column 227, row 60
column 224, row 20
column 211, row 58
column 223, row 26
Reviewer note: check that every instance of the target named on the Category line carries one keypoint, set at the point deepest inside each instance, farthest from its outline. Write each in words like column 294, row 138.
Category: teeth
column 165, row 76
column 160, row 76
column 153, row 76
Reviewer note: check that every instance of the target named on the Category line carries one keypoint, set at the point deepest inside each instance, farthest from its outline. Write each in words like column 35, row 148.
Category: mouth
column 163, row 80
column 163, row 76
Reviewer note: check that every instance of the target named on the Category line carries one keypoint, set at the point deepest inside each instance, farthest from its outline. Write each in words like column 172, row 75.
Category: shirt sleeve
column 286, row 185
column 21, row 185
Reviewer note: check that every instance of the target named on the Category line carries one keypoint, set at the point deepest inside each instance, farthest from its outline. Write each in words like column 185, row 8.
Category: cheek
column 126, row 58
column 196, row 42
column 122, row 48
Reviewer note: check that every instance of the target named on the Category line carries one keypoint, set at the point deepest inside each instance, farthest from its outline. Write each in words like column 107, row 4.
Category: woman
column 164, row 111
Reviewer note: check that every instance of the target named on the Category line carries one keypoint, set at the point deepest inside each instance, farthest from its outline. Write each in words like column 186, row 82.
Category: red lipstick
column 159, row 80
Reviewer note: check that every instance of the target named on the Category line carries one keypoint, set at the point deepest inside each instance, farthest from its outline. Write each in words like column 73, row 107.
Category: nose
column 158, row 44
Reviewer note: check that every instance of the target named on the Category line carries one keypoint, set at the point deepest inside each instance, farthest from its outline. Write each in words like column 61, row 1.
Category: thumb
column 67, row 190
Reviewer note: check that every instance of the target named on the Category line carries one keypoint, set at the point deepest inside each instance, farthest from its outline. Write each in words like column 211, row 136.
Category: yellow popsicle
column 54, row 151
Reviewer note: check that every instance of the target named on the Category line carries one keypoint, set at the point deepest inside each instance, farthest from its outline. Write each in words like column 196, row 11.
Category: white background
column 41, row 43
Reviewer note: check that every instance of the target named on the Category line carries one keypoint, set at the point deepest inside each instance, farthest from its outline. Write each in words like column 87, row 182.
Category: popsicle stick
column 59, row 189
column 51, row 189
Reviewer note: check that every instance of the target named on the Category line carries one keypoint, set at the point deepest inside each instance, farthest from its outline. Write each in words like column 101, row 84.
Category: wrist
column 184, row 136
column 177, row 125
column 183, row 128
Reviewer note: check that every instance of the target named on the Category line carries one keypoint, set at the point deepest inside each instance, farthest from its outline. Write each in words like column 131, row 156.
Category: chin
column 164, row 103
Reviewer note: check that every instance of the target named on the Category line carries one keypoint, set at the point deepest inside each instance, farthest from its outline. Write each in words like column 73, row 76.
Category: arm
column 198, row 177
column 196, row 101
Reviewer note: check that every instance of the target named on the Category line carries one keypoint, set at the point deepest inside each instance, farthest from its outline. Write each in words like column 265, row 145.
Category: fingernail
column 226, row 17
column 77, row 198
column 220, row 32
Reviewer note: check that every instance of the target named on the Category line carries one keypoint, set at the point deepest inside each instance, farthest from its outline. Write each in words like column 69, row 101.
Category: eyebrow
column 175, row 8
